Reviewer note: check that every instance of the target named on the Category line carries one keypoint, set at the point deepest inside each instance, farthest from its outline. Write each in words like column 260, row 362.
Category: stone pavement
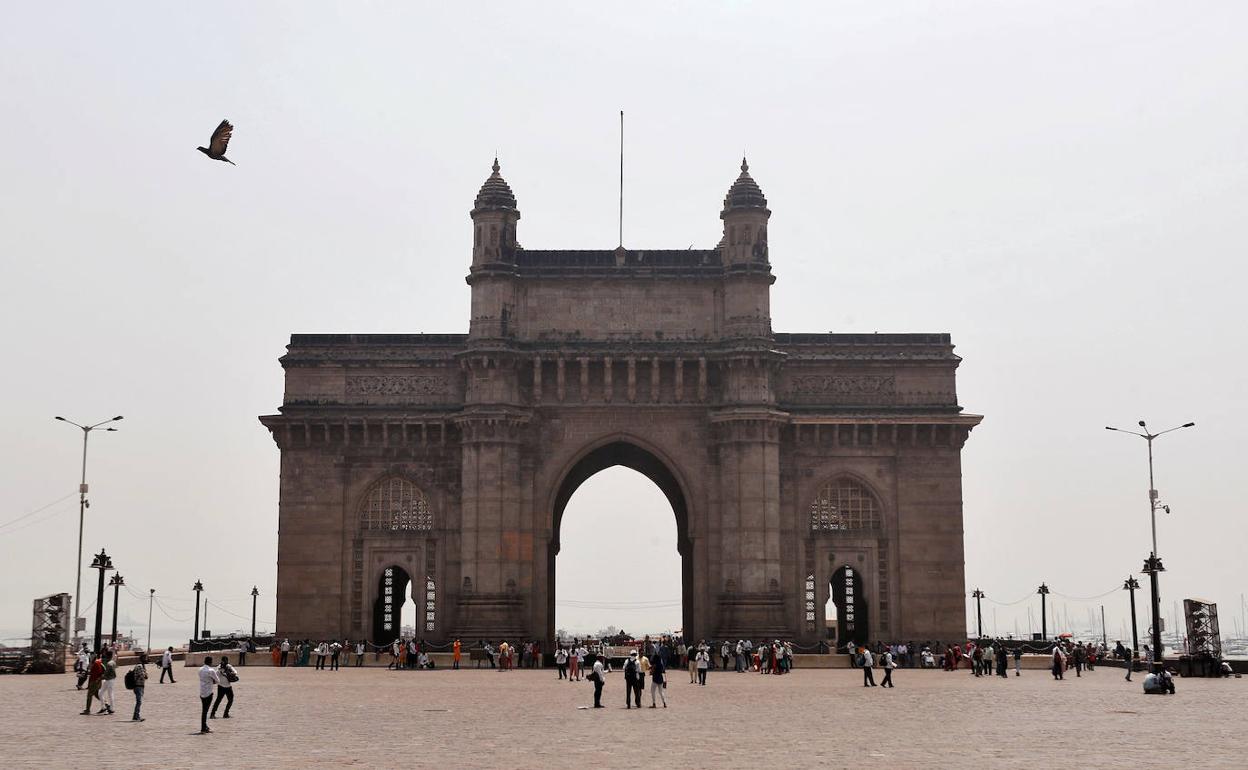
column 299, row 718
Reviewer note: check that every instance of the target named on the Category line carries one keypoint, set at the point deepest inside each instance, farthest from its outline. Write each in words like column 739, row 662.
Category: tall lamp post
column 103, row 563
column 254, row 593
column 151, row 596
column 1152, row 565
column 116, row 581
column 83, row 505
column 979, row 614
column 1131, row 585
column 198, row 588
column 1043, row 590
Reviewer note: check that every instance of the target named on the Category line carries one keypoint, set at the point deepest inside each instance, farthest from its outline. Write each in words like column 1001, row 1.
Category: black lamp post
column 979, row 614
column 116, row 581
column 198, row 588
column 254, row 593
column 103, row 563
column 1152, row 565
column 1043, row 590
column 1130, row 586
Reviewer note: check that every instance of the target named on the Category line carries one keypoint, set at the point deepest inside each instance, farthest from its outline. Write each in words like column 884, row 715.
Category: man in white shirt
column 166, row 666
column 359, row 654
column 868, row 660
column 82, row 664
column 208, row 680
column 285, row 652
column 225, row 688
column 322, row 652
column 599, row 677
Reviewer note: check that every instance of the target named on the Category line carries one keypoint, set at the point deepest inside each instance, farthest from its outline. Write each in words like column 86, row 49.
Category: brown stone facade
column 447, row 460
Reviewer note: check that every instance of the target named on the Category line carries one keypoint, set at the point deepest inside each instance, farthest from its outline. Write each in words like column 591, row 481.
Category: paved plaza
column 297, row 718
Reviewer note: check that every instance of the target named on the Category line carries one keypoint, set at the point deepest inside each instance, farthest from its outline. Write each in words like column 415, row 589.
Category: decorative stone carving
column 398, row 385
column 845, row 388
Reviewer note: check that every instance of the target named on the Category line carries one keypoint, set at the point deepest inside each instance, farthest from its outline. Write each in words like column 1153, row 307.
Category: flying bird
column 220, row 140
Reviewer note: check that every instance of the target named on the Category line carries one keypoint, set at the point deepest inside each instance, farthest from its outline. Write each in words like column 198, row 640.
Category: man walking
column 138, row 676
column 886, row 660
column 1018, row 660
column 95, row 674
column 82, row 666
column 867, row 660
column 166, row 665
column 226, row 677
column 108, row 680
column 632, row 675
column 359, row 653
column 208, row 679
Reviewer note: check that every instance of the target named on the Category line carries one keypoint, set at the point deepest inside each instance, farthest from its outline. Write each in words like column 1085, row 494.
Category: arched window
column 395, row 505
column 844, row 505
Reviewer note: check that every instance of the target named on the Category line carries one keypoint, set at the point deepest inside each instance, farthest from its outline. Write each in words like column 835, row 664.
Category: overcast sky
column 1061, row 186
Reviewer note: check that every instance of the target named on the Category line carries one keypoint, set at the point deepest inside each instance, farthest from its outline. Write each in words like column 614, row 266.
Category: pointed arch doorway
column 629, row 454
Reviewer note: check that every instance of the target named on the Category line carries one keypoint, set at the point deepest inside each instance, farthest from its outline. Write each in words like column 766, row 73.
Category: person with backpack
column 632, row 681
column 888, row 663
column 226, row 677
column 866, row 660
column 136, row 680
column 166, row 666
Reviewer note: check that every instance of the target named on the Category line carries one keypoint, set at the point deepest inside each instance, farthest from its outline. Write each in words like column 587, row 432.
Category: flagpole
column 621, row 245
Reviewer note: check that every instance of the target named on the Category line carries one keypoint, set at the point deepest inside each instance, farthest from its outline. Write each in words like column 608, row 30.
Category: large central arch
column 630, row 453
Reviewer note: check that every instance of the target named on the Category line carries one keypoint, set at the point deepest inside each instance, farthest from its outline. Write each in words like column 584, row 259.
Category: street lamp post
column 198, row 588
column 979, row 614
column 116, row 581
column 1043, row 590
column 103, row 563
column 83, row 505
column 254, row 593
column 1131, row 585
column 151, row 596
column 1152, row 565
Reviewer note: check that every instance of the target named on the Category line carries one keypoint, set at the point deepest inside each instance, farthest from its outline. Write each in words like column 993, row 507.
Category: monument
column 446, row 460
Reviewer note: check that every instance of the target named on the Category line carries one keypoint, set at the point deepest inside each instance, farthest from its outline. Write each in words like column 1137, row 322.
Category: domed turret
column 744, row 193
column 494, row 216
column 495, row 193
column 745, row 218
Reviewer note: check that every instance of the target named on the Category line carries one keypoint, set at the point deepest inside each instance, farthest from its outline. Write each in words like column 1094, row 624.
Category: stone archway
column 629, row 453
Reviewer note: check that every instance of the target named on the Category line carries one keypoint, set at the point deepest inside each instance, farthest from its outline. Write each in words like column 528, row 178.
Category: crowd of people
column 577, row 659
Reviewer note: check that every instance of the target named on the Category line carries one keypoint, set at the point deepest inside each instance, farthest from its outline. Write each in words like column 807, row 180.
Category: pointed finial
column 745, row 167
column 495, row 166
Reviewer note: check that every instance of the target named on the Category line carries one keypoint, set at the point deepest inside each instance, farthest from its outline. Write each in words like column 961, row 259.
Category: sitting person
column 1159, row 683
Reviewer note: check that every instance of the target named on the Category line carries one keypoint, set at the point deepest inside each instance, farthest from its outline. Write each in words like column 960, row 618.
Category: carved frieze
column 419, row 385
column 844, row 388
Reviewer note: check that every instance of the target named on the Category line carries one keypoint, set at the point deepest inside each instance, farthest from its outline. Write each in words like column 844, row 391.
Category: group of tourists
column 98, row 672
column 329, row 653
